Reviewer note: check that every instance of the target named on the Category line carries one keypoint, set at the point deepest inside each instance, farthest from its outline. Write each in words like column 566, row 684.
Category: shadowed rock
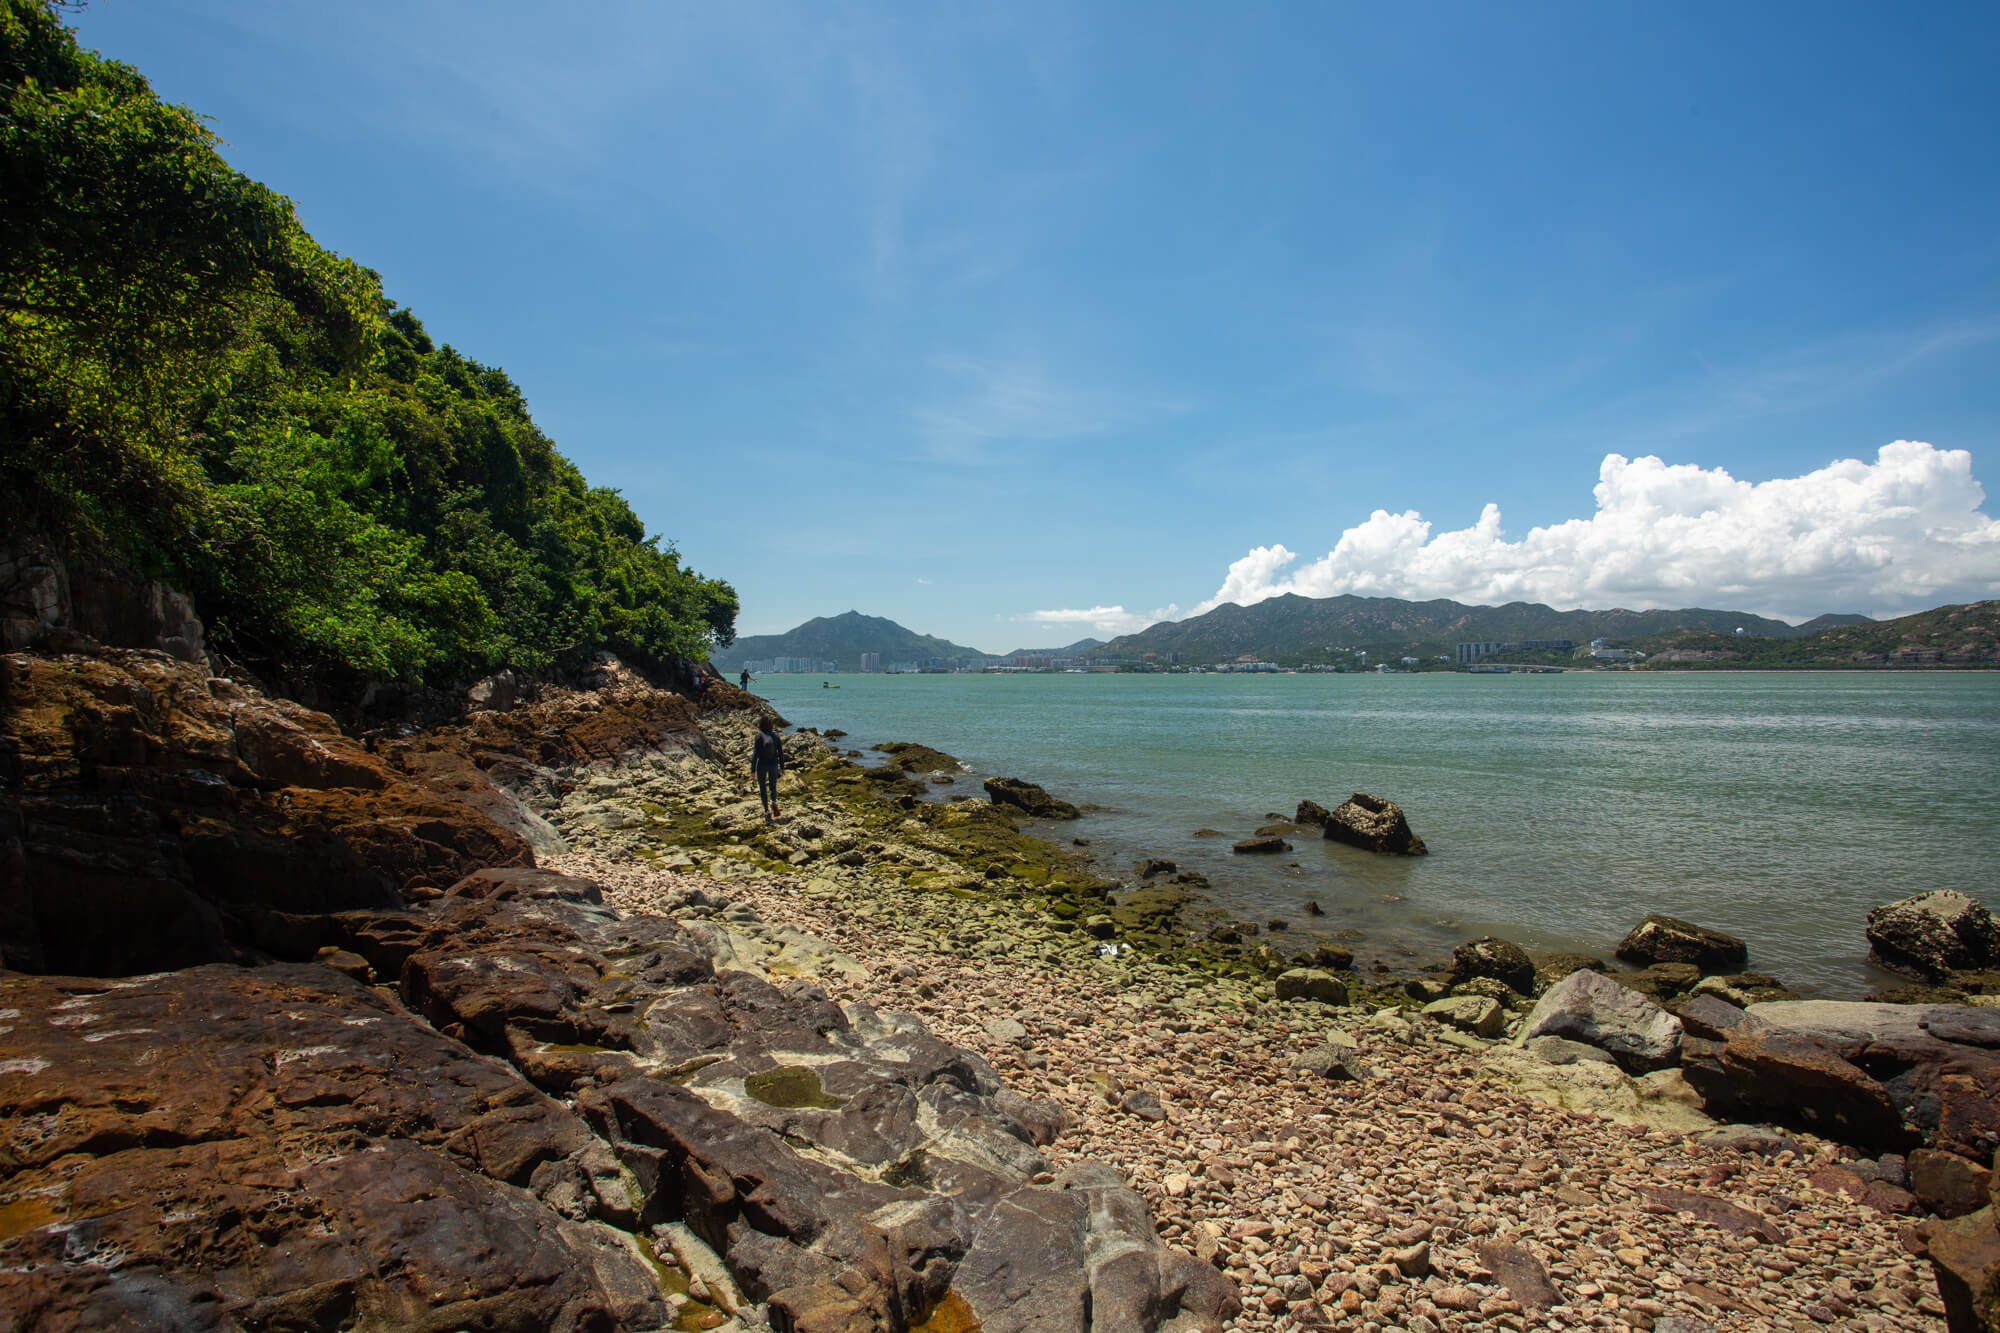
column 1667, row 939
column 1491, row 956
column 1028, row 797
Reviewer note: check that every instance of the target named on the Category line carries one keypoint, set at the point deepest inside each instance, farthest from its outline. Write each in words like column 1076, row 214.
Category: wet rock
column 1743, row 989
column 1934, row 934
column 1260, row 845
column 1666, row 939
column 1372, row 823
column 1591, row 1008
column 1156, row 865
column 1490, row 956
column 1663, row 982
column 1311, row 814
column 1028, row 797
column 1553, row 967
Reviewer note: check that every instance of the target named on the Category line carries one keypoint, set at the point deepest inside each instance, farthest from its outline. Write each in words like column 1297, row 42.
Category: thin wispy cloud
column 1103, row 619
column 996, row 402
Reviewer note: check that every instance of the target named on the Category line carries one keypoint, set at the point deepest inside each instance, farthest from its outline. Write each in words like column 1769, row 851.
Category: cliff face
column 149, row 812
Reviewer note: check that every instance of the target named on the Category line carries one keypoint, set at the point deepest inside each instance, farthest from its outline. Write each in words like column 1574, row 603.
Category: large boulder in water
column 1668, row 939
column 1028, row 797
column 1372, row 823
column 1591, row 1008
column 1934, row 934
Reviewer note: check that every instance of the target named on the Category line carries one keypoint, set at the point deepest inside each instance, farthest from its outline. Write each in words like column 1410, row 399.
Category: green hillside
column 1292, row 629
column 192, row 388
column 841, row 640
column 1967, row 635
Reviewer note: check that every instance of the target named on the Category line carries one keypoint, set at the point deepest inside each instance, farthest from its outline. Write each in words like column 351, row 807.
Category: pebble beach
column 1431, row 1193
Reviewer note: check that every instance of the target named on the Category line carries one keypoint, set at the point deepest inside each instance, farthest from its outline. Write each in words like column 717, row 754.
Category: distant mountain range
column 1967, row 635
column 841, row 640
column 1081, row 648
column 1291, row 630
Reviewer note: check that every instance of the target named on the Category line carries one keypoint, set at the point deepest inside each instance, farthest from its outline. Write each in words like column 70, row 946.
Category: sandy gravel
column 1354, row 1205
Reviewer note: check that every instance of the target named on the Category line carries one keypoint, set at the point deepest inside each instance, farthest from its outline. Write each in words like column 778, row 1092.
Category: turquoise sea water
column 1559, row 809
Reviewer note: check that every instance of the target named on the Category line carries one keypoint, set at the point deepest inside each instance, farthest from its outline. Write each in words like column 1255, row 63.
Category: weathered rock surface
column 1934, row 934
column 147, row 805
column 1028, row 797
column 1752, row 1068
column 1666, row 939
column 222, row 1148
column 1261, row 846
column 1369, row 822
column 848, row 1166
column 1490, row 956
column 1477, row 1014
column 1591, row 1008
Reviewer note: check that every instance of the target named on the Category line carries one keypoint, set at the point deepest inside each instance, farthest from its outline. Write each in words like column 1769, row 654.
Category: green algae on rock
column 790, row 1088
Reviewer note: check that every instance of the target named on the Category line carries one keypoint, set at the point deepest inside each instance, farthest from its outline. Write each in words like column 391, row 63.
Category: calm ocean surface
column 1559, row 809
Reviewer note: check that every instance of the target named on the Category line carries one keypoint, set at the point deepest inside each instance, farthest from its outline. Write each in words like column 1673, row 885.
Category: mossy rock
column 791, row 1087
column 911, row 758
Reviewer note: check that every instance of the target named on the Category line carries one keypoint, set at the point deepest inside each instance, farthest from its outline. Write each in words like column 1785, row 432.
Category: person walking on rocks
column 767, row 759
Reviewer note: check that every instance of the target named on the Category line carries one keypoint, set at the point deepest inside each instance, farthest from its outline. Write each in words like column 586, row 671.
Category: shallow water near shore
column 1559, row 809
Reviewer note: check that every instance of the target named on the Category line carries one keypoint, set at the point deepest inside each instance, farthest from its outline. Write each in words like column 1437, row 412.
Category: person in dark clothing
column 767, row 759
column 743, row 681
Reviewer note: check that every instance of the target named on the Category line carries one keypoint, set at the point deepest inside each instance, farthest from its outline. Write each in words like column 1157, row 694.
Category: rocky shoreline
column 888, row 1062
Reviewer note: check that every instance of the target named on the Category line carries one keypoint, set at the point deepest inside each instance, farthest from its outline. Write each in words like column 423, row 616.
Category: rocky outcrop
column 1310, row 814
column 1745, row 1067
column 147, row 807
column 1933, row 935
column 850, row 1169
column 51, row 602
column 1026, row 796
column 222, row 1148
column 1372, row 823
column 1666, row 939
column 1490, row 956
column 1591, row 1008
column 1263, row 846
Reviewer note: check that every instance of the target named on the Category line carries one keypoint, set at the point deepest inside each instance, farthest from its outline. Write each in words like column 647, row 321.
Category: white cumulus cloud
column 1900, row 534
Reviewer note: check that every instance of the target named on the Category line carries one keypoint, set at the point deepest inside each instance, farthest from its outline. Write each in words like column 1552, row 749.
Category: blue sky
column 1018, row 323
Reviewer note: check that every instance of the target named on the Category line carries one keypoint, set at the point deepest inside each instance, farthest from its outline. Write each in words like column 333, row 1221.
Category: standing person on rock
column 767, row 760
column 743, row 681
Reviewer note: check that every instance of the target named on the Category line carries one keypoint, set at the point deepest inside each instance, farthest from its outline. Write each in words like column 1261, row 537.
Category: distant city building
column 1616, row 654
column 1472, row 652
column 871, row 662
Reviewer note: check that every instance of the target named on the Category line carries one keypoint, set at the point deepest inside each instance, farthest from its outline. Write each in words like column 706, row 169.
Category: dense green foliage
column 188, row 379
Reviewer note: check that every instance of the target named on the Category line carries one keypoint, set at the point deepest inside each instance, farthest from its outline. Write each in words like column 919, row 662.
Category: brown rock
column 1028, row 797
column 1263, row 845
column 1520, row 1272
column 1948, row 1184
column 153, row 807
column 1490, row 956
